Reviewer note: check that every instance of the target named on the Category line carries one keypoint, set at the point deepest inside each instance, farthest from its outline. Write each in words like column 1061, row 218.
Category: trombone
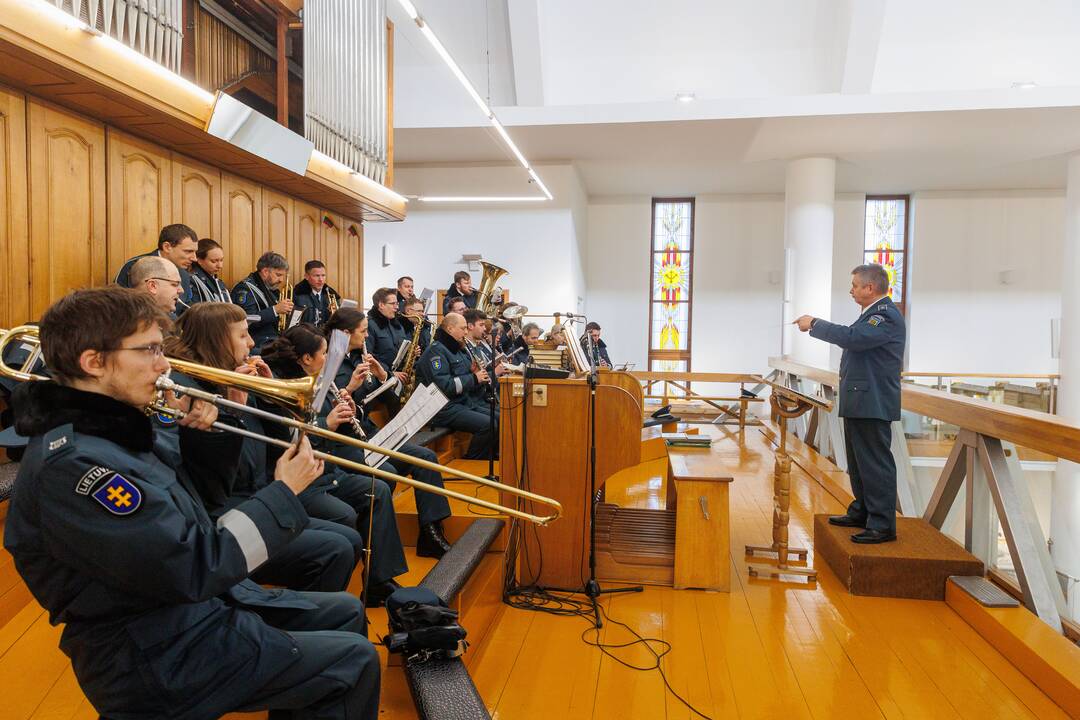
column 296, row 396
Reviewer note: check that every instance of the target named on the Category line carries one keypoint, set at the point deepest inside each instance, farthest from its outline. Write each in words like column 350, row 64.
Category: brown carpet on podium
column 915, row 566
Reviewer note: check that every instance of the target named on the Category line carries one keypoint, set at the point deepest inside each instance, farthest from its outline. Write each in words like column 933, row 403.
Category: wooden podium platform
column 548, row 433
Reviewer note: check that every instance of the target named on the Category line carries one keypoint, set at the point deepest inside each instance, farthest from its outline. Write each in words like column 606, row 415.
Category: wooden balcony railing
column 984, row 454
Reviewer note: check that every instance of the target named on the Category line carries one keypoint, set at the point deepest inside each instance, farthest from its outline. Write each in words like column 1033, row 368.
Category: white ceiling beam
column 524, row 18
column 859, row 28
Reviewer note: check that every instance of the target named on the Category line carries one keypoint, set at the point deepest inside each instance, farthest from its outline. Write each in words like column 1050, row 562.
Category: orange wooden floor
column 762, row 651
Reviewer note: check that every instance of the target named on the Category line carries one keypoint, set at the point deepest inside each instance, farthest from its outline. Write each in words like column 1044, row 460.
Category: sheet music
column 348, row 303
column 335, row 354
column 294, row 318
column 425, row 402
column 426, row 295
column 391, row 382
column 402, row 353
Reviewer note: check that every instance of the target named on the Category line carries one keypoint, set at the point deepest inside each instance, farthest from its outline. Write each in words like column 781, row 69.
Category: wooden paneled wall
column 78, row 198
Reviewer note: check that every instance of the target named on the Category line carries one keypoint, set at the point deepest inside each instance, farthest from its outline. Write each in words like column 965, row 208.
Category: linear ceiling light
column 480, row 198
column 427, row 32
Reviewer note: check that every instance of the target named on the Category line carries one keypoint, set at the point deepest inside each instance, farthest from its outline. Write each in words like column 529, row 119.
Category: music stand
column 786, row 403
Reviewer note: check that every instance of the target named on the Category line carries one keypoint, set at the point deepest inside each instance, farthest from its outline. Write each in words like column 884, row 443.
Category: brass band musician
column 314, row 295
column 260, row 296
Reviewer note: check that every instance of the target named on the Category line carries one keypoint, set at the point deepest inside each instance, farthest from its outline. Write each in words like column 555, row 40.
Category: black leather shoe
column 377, row 594
column 846, row 521
column 431, row 543
column 873, row 537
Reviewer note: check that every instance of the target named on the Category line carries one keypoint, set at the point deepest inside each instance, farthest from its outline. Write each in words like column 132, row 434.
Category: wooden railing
column 736, row 405
column 984, row 454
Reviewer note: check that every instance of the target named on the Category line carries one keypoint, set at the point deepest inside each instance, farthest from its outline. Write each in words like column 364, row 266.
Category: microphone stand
column 491, row 393
column 592, row 587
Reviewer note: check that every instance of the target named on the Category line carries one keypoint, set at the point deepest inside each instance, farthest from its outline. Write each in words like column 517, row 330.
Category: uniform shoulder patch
column 119, row 495
column 90, row 479
column 876, row 320
column 436, row 363
column 58, row 440
column 241, row 297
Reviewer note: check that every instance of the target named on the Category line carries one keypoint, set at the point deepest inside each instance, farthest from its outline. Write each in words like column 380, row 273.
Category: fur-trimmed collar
column 377, row 318
column 448, row 340
column 43, row 405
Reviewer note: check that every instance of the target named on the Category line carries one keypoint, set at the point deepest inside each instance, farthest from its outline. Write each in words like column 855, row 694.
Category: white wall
column 738, row 253
column 962, row 318
column 541, row 244
column 591, row 254
column 617, row 275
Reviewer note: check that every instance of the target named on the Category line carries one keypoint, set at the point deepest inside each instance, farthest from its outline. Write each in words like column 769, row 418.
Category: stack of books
column 681, row 439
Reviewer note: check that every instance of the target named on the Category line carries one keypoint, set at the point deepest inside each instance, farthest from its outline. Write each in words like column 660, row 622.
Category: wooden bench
column 700, row 483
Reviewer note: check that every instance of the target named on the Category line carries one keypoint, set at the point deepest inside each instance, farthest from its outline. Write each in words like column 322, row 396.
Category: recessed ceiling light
column 685, row 97
column 1024, row 85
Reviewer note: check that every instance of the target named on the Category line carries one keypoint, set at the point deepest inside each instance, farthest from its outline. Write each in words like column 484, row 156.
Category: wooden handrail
column 1000, row 376
column 1029, row 428
column 647, row 376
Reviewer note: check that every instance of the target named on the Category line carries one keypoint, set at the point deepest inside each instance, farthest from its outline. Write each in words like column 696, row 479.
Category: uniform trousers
column 337, row 675
column 872, row 470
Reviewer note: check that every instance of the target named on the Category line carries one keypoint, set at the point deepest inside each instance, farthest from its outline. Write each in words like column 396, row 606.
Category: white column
column 809, row 192
column 1065, row 502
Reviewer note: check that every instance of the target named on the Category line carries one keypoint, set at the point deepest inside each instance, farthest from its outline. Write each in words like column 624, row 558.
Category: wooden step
column 462, row 513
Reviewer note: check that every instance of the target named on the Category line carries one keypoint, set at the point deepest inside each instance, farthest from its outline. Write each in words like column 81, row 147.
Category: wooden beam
column 647, row 376
column 282, row 72
column 289, row 8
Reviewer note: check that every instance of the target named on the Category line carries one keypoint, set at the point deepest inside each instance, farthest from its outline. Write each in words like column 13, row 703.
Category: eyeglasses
column 154, row 350
column 174, row 283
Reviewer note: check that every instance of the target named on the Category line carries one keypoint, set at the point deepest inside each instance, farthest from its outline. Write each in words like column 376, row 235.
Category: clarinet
column 354, row 421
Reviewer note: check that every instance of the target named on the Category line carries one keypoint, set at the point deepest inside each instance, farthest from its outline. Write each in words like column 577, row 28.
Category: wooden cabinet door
column 241, row 226
column 14, row 243
column 280, row 234
column 332, row 238
column 140, row 197
column 196, row 193
column 307, row 235
column 352, row 261
column 67, row 204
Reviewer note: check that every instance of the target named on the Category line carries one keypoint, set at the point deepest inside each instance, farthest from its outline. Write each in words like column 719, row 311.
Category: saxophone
column 409, row 368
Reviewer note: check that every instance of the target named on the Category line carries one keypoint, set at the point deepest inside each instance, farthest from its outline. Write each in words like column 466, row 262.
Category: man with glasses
column 159, row 617
column 178, row 244
column 158, row 278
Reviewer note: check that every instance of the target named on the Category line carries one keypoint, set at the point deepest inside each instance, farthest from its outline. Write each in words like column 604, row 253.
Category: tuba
column 485, row 291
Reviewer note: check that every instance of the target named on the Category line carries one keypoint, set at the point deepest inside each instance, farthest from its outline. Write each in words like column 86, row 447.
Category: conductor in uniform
column 869, row 400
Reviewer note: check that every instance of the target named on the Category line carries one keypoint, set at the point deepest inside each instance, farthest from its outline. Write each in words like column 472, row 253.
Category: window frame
column 903, row 304
column 689, row 302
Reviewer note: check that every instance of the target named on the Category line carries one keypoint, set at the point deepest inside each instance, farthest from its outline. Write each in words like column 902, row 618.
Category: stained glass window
column 885, row 236
column 671, row 255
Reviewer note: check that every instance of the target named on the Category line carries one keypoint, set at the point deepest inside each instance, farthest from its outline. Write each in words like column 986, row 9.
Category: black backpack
column 422, row 626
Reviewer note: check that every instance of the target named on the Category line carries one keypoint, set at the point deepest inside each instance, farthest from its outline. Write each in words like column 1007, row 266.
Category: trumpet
column 283, row 319
column 297, row 397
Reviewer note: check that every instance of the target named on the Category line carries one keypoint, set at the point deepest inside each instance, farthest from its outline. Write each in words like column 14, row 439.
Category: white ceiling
column 907, row 95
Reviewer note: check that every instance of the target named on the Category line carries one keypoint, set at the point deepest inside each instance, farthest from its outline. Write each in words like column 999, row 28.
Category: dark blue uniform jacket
column 385, row 335
column 872, row 361
column 316, row 307
column 449, row 365
column 258, row 301
column 112, row 542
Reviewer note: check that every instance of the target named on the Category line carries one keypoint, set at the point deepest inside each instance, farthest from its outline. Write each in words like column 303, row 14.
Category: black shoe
column 873, row 537
column 846, row 521
column 377, row 594
column 431, row 543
